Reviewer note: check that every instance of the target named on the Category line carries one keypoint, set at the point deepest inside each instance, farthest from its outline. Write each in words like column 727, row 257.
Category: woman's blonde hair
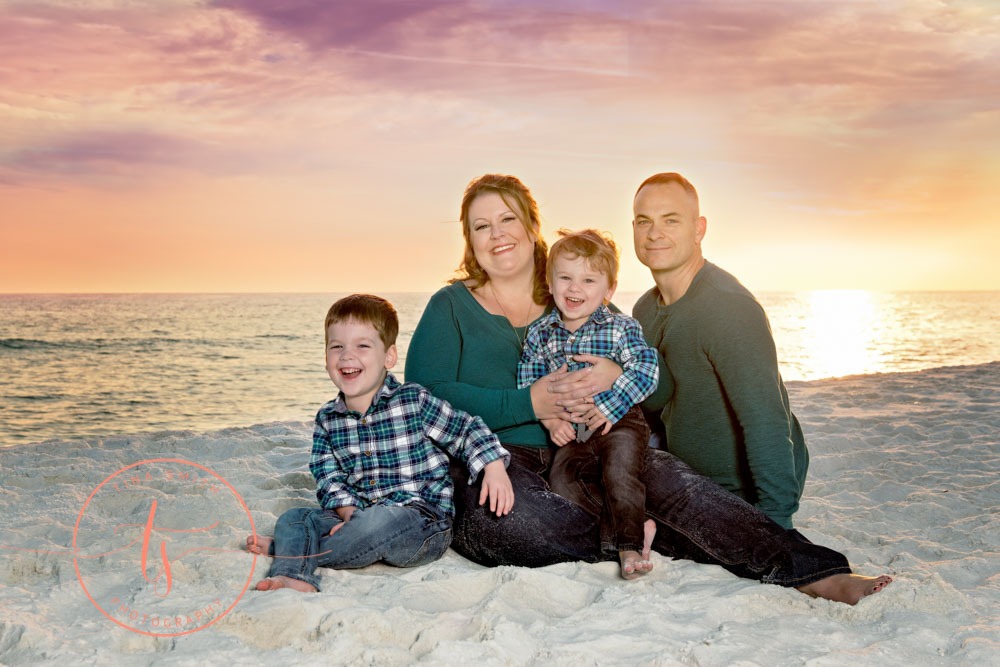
column 517, row 196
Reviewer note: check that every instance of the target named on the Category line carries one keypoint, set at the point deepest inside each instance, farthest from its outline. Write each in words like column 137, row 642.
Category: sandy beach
column 904, row 479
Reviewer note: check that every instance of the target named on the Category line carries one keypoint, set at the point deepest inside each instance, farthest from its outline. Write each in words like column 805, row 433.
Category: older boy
column 582, row 275
column 379, row 461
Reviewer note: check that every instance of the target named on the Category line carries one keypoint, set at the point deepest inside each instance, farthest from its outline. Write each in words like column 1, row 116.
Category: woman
column 466, row 348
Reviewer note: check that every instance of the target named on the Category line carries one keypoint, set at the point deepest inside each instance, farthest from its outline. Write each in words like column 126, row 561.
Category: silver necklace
column 519, row 337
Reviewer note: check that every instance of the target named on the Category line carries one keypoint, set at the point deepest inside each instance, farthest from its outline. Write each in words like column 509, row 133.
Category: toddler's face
column 578, row 289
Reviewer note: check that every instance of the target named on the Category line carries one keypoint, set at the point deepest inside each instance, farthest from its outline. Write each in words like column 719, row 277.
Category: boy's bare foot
column 634, row 565
column 261, row 546
column 274, row 583
column 649, row 532
column 847, row 588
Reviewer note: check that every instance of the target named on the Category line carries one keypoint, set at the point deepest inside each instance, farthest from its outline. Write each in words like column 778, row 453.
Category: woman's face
column 503, row 247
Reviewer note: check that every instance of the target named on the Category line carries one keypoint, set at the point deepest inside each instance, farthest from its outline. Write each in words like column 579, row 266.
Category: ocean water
column 95, row 365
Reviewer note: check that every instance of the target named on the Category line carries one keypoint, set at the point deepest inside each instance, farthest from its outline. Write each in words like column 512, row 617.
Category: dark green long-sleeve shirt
column 722, row 401
column 468, row 357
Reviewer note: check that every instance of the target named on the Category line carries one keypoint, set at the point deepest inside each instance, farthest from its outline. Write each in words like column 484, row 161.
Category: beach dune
column 904, row 479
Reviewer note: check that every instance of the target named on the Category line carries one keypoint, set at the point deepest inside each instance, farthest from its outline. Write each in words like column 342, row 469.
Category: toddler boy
column 380, row 462
column 583, row 274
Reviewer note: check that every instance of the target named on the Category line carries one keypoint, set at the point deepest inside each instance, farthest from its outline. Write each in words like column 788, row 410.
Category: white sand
column 904, row 479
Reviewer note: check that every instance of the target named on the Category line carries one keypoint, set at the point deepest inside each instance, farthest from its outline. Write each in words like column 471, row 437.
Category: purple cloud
column 98, row 151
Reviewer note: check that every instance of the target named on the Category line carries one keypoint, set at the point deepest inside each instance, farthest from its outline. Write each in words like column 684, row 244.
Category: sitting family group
column 522, row 372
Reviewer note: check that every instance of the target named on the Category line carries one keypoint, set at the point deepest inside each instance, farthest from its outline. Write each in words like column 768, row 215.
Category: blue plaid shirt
column 549, row 344
column 395, row 453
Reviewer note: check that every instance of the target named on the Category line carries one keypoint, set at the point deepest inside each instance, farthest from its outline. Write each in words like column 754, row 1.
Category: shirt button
column 371, row 482
column 368, row 453
column 364, row 420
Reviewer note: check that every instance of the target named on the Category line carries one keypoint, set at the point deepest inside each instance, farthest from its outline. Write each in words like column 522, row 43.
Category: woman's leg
column 542, row 528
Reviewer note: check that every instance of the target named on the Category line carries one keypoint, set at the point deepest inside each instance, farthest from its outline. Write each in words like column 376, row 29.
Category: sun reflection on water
column 840, row 329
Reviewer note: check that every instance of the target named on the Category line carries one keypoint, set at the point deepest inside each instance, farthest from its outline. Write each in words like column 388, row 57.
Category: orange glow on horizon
column 242, row 146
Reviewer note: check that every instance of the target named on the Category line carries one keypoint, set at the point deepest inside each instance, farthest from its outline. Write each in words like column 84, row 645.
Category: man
column 721, row 399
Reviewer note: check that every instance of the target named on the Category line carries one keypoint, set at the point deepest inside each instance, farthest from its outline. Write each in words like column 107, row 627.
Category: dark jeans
column 696, row 519
column 615, row 461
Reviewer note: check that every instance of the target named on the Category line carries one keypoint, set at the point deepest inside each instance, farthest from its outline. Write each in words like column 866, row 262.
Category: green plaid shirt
column 395, row 453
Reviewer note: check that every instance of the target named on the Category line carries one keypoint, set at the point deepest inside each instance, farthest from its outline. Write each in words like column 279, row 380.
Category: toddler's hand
column 595, row 419
column 561, row 432
column 497, row 487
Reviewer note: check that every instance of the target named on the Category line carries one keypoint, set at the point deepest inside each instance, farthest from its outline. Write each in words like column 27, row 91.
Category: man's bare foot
column 847, row 588
column 649, row 532
column 274, row 583
column 261, row 546
column 634, row 565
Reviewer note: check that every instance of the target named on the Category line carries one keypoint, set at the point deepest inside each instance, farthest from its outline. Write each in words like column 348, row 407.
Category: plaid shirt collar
column 599, row 317
column 389, row 387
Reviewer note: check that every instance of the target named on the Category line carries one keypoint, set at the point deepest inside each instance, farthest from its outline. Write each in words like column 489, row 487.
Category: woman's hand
column 543, row 399
column 576, row 390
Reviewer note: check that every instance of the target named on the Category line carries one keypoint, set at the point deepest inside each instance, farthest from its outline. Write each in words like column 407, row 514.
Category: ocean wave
column 27, row 344
column 106, row 343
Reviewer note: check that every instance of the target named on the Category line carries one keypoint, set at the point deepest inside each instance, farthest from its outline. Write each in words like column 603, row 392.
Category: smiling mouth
column 573, row 301
column 349, row 372
column 503, row 248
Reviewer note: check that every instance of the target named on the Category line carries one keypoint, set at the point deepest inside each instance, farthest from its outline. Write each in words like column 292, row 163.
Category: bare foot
column 649, row 532
column 847, row 588
column 274, row 583
column 261, row 546
column 634, row 565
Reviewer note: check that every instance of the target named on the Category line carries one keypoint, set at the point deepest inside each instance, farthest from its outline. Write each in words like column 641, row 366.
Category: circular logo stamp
column 154, row 547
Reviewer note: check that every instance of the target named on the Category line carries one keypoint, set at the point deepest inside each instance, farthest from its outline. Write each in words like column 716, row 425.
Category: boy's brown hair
column 596, row 247
column 367, row 309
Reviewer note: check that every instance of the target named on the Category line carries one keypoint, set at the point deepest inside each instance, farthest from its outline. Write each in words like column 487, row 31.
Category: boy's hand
column 345, row 515
column 561, row 432
column 595, row 419
column 497, row 486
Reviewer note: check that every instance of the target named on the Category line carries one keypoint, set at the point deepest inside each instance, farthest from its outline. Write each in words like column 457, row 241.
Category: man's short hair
column 666, row 178
column 367, row 309
column 596, row 247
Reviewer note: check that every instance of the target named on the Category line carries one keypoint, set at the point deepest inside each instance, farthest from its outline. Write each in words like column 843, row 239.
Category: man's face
column 666, row 227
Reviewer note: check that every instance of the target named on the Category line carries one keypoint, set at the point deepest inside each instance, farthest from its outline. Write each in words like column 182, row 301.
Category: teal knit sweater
column 722, row 401
column 468, row 357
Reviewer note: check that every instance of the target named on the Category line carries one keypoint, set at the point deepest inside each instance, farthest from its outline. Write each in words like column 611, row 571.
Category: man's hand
column 497, row 487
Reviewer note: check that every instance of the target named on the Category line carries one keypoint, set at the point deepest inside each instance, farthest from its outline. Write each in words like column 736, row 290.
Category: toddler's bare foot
column 274, row 583
column 634, row 565
column 649, row 532
column 847, row 588
column 261, row 546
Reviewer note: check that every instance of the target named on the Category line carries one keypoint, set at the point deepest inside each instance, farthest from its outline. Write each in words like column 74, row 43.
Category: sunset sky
column 323, row 145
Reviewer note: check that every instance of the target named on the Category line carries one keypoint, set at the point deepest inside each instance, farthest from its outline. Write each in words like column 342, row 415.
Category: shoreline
column 218, row 429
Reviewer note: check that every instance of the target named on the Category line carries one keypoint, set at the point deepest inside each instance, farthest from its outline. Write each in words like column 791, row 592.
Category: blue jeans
column 696, row 519
column 400, row 535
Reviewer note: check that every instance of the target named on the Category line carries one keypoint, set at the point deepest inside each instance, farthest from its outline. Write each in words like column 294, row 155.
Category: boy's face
column 578, row 289
column 356, row 359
